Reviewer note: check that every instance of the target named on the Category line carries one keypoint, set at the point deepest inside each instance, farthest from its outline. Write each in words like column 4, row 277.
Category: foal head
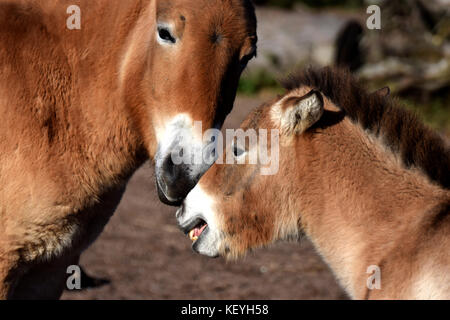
column 234, row 207
column 195, row 54
column 332, row 133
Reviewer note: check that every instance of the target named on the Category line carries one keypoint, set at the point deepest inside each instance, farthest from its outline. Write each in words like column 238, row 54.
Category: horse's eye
column 165, row 35
column 246, row 59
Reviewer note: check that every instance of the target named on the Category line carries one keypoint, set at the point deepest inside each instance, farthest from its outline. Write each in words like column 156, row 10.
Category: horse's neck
column 362, row 201
column 100, row 112
column 92, row 141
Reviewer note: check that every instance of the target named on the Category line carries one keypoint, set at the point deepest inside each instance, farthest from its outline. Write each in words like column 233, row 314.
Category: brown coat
column 81, row 110
column 362, row 178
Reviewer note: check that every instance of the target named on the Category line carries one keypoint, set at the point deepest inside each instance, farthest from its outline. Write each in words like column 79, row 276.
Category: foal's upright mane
column 399, row 129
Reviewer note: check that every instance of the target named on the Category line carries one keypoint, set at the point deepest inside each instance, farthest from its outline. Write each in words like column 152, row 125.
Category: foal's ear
column 298, row 114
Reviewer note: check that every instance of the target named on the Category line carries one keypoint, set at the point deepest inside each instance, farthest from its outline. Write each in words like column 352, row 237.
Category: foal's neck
column 362, row 201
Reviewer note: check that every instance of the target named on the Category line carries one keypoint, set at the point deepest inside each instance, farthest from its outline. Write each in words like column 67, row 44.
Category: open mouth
column 195, row 228
column 195, row 232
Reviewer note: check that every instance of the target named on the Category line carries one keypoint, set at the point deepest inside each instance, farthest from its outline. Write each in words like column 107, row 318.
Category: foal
column 363, row 179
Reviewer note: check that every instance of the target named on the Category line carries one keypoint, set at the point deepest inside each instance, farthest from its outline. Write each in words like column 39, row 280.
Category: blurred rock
column 411, row 51
column 301, row 36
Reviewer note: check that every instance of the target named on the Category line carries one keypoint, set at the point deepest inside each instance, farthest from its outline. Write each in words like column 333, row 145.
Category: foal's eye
column 165, row 35
column 237, row 151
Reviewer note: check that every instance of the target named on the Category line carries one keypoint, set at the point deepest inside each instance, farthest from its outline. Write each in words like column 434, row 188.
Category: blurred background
column 143, row 255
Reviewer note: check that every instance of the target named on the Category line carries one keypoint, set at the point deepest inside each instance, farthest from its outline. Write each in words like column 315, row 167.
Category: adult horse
column 364, row 179
column 82, row 109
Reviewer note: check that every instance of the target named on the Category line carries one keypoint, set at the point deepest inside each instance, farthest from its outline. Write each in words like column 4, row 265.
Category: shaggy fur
column 400, row 129
column 79, row 111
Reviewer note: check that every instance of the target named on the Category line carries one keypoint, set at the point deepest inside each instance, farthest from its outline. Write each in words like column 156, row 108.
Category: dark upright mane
column 399, row 128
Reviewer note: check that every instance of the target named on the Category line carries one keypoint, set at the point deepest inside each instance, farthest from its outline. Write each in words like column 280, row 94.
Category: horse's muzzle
column 173, row 182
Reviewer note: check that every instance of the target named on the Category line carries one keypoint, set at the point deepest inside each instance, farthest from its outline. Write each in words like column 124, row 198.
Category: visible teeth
column 191, row 235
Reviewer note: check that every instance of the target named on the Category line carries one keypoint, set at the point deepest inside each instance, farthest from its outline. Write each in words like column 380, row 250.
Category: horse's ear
column 383, row 92
column 298, row 114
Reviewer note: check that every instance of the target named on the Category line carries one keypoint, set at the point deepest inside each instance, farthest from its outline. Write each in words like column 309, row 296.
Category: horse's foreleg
column 8, row 274
column 44, row 280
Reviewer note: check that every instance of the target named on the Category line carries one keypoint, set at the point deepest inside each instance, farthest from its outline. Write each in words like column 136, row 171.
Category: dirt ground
column 145, row 256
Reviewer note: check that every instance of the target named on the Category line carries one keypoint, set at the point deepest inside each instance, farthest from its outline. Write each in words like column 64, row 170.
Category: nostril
column 176, row 180
column 169, row 170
